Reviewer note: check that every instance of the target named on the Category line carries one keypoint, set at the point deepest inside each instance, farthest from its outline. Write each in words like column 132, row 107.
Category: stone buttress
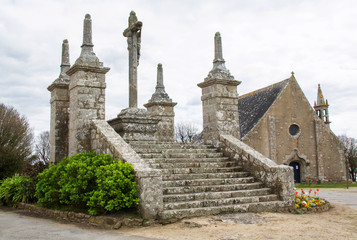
column 86, row 93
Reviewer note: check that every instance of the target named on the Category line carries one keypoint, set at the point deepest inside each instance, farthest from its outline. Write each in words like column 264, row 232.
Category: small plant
column 97, row 183
column 17, row 189
column 303, row 200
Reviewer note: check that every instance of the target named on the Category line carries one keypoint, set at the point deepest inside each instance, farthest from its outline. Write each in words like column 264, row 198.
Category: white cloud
column 263, row 41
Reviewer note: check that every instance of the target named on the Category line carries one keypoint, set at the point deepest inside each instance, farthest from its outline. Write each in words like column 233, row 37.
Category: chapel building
column 279, row 122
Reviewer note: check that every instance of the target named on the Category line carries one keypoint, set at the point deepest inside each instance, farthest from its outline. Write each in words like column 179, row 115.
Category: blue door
column 296, row 167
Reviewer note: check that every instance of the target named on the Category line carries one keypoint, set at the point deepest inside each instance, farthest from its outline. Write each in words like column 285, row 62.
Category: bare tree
column 185, row 132
column 15, row 141
column 351, row 154
column 42, row 147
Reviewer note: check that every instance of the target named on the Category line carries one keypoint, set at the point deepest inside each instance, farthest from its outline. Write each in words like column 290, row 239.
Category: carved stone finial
column 160, row 94
column 87, row 32
column 292, row 73
column 65, row 65
column 88, row 57
column 132, row 19
column 160, row 77
column 218, row 54
column 219, row 70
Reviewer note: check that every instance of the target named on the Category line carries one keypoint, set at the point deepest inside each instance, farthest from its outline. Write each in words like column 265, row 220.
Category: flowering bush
column 304, row 200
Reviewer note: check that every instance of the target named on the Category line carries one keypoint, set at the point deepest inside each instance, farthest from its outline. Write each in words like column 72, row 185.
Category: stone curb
column 319, row 209
column 105, row 222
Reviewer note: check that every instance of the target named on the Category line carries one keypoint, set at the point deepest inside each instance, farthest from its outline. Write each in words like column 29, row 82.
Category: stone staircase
column 198, row 180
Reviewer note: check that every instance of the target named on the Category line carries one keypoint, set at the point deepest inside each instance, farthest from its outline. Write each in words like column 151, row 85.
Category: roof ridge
column 262, row 89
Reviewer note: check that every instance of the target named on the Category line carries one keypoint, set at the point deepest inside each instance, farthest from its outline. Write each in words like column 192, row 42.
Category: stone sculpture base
column 135, row 124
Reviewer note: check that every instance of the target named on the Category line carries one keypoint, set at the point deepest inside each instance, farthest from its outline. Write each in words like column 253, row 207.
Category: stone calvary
column 235, row 169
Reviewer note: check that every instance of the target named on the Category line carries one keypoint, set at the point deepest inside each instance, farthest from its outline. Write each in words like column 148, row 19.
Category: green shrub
column 116, row 188
column 17, row 189
column 97, row 183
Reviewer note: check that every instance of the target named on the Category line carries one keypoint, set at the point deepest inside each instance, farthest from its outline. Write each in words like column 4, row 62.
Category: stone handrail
column 105, row 140
column 279, row 178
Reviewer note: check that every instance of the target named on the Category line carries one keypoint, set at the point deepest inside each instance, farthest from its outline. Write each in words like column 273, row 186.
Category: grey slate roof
column 252, row 106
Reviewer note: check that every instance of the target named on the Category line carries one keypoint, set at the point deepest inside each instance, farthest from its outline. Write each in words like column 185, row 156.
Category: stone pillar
column 59, row 110
column 219, row 100
column 161, row 106
column 86, row 93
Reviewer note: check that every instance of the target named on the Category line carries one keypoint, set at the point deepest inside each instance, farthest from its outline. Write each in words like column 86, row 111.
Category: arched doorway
column 296, row 167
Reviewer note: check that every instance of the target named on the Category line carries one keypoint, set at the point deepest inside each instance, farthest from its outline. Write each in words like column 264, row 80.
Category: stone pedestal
column 165, row 112
column 135, row 124
column 59, row 122
column 220, row 109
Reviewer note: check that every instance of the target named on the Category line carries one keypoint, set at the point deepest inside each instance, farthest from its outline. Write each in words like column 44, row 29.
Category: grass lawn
column 327, row 185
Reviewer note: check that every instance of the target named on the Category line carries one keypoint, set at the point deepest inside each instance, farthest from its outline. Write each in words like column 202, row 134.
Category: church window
column 294, row 129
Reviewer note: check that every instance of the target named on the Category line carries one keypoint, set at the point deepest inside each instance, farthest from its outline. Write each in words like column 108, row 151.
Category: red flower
column 317, row 190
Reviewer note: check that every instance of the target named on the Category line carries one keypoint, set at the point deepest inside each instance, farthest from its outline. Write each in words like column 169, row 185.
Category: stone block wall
column 166, row 127
column 104, row 139
column 220, row 109
column 59, row 122
column 279, row 178
column 87, row 101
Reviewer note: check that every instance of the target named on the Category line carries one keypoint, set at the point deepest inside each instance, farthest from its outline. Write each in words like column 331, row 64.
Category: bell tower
column 321, row 107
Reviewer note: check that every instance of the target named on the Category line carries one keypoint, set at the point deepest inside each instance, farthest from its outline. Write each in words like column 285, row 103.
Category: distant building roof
column 252, row 106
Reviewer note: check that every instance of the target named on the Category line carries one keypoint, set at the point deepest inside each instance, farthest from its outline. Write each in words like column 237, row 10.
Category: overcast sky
column 263, row 41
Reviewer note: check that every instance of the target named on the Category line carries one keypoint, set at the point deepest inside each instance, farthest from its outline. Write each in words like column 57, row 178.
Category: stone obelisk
column 86, row 92
column 59, row 109
column 161, row 106
column 133, row 35
column 219, row 99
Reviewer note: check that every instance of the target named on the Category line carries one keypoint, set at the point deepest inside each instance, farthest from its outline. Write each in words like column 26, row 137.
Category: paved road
column 347, row 197
column 15, row 226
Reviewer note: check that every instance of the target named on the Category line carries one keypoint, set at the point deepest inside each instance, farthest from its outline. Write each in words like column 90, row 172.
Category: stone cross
column 133, row 34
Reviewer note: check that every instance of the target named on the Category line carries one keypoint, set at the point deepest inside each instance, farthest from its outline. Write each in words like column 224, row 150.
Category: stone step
column 219, row 202
column 271, row 206
column 194, row 165
column 174, row 190
column 226, row 176
column 174, row 150
column 215, row 195
column 205, row 182
column 199, row 170
column 163, row 145
column 182, row 155
column 187, row 160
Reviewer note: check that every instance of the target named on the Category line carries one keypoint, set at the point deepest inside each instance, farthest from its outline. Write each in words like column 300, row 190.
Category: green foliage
column 116, row 188
column 17, row 189
column 97, row 182
column 15, row 142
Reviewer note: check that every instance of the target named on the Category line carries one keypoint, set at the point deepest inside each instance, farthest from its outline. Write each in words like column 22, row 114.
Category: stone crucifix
column 133, row 34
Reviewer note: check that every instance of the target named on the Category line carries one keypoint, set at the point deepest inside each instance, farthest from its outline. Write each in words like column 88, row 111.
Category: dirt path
column 338, row 223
